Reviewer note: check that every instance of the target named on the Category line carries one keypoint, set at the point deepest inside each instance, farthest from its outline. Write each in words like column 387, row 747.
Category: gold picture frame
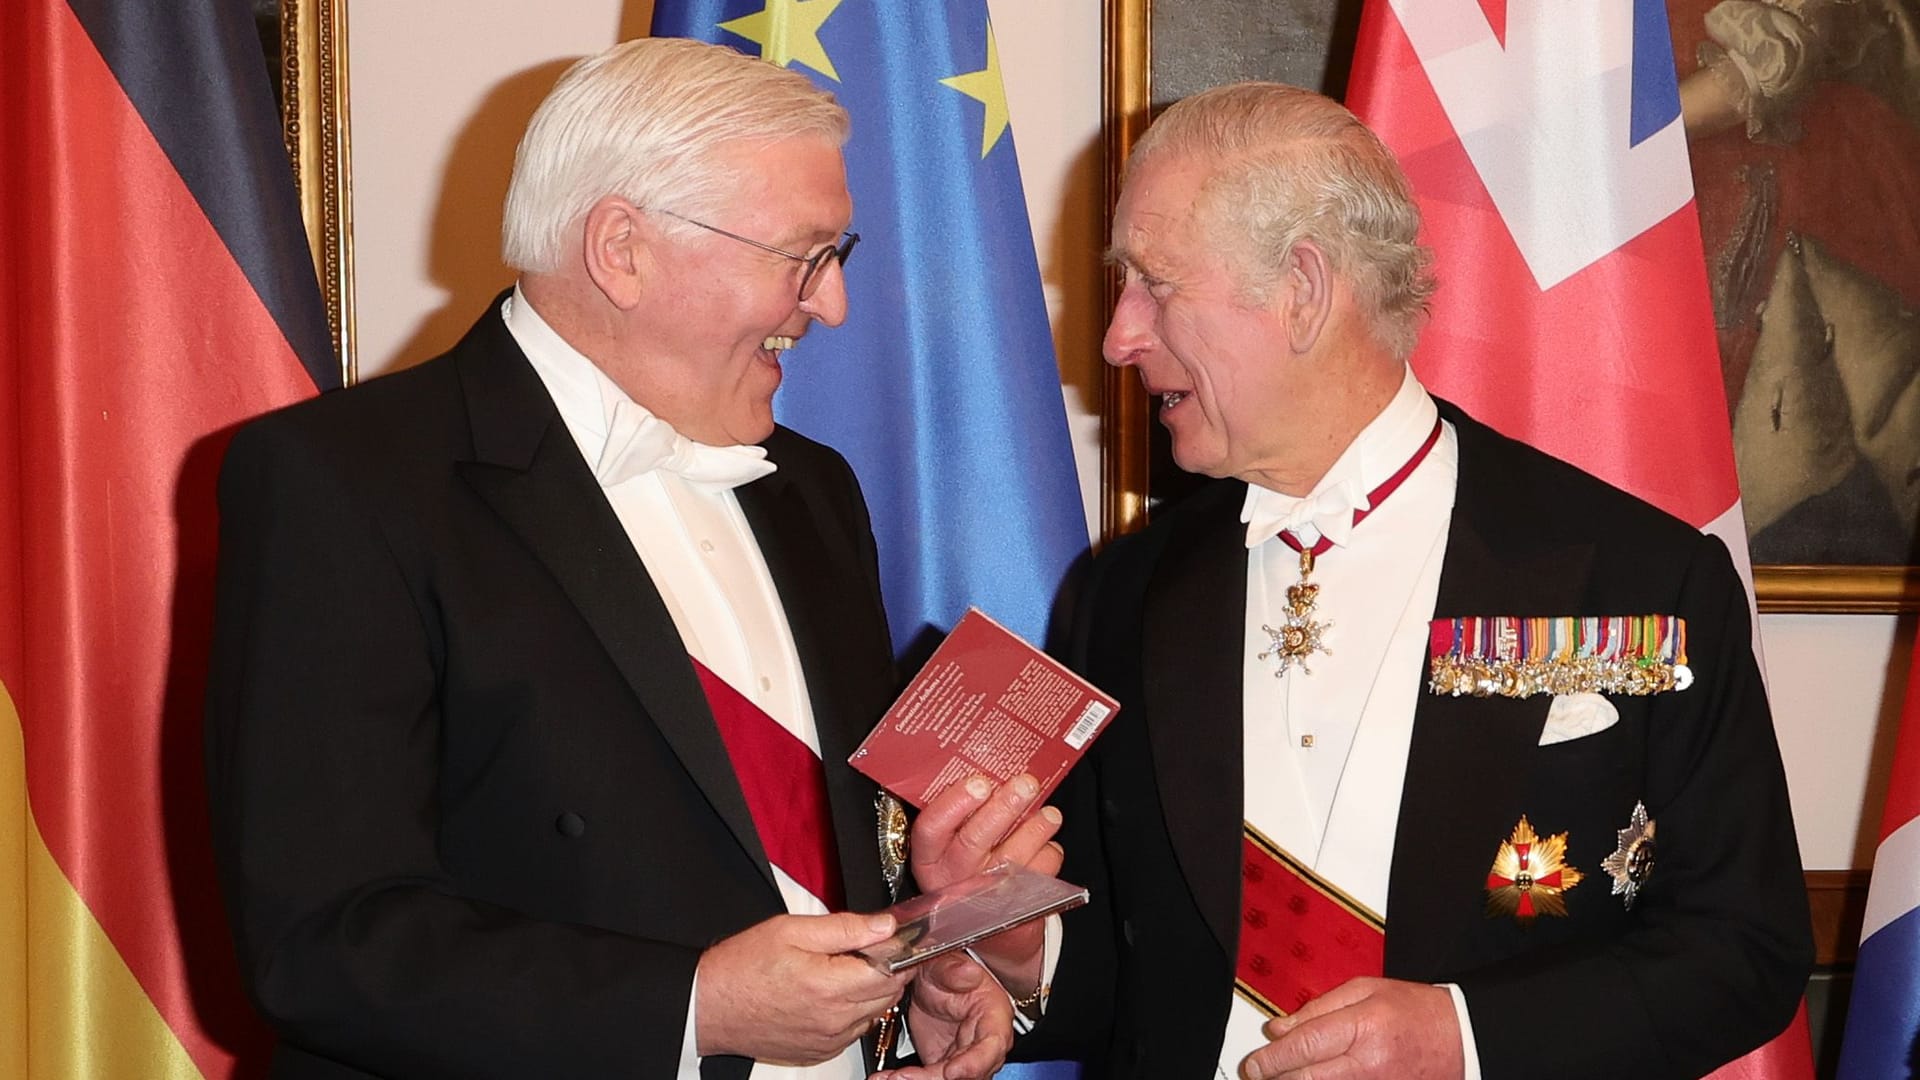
column 314, row 122
column 1126, row 95
column 1126, row 457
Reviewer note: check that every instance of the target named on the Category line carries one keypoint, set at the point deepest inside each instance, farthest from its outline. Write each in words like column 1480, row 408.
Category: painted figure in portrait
column 1804, row 120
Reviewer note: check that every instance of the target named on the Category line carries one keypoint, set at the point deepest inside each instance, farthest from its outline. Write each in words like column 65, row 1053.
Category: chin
column 754, row 429
column 1193, row 462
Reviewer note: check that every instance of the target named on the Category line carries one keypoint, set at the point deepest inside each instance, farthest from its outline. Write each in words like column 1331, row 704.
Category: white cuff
column 1049, row 961
column 1469, row 1053
column 689, row 1041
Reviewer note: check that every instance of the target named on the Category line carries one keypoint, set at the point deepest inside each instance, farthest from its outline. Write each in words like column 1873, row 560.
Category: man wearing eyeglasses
column 538, row 665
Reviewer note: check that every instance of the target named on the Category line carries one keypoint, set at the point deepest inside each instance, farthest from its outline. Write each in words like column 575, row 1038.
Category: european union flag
column 941, row 389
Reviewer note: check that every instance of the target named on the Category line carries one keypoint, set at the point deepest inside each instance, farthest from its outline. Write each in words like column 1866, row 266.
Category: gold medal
column 1530, row 876
column 1631, row 863
column 1299, row 634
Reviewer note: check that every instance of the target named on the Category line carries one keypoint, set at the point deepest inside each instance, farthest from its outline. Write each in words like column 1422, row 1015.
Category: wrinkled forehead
column 1159, row 212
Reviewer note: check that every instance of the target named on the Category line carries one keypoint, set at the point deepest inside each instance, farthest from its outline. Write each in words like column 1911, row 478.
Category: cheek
column 1190, row 341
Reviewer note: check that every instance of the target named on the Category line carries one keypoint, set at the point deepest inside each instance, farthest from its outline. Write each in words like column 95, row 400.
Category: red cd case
column 989, row 704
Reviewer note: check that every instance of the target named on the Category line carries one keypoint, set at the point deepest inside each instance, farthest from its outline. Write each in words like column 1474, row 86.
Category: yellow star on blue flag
column 788, row 32
column 986, row 87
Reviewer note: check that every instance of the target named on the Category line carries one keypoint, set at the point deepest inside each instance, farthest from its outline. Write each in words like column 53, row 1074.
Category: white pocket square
column 1572, row 716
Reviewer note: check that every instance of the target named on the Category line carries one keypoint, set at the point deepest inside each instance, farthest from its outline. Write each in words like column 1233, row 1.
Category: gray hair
column 643, row 120
column 1293, row 165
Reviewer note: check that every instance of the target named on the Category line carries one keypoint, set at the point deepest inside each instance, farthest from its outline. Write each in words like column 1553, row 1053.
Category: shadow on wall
column 1071, row 265
column 463, row 248
column 1886, row 729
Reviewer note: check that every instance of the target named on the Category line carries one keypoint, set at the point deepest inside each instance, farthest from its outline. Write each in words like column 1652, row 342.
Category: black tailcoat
column 1711, row 960
column 473, row 814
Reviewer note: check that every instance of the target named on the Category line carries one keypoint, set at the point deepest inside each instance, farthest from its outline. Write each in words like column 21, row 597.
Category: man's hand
column 782, row 992
column 968, row 828
column 961, row 1021
column 1364, row 1028
column 971, row 826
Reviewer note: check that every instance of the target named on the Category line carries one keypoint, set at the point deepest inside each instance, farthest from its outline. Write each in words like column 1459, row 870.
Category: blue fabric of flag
column 1656, row 86
column 941, row 389
column 1883, row 1015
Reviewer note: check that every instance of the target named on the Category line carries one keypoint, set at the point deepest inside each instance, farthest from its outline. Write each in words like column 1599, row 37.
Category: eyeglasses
column 815, row 263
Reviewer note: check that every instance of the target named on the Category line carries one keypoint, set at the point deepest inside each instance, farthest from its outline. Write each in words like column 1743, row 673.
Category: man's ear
column 618, row 240
column 1305, row 295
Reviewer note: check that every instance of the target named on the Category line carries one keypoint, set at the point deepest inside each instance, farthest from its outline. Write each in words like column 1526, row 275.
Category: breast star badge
column 1632, row 861
column 1530, row 876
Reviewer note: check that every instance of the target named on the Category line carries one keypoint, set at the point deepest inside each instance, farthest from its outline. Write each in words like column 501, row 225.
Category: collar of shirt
column 619, row 437
column 1384, row 445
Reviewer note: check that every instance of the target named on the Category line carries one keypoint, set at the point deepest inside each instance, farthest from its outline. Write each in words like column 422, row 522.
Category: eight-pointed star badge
column 1529, row 876
column 1632, row 861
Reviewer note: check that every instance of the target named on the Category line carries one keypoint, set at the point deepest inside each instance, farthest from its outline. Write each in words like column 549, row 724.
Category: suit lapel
column 833, row 655
column 1454, row 812
column 527, row 468
column 1193, row 630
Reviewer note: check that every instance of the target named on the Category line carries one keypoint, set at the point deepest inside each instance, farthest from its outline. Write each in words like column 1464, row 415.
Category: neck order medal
column 1299, row 635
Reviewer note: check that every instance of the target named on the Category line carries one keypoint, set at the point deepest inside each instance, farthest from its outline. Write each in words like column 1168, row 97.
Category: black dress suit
column 473, row 815
column 1714, row 955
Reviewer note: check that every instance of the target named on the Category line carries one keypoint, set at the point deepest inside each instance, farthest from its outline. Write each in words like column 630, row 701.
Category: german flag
column 155, row 290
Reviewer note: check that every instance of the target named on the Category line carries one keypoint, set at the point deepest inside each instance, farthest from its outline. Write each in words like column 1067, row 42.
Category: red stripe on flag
column 1637, row 401
column 1903, row 785
column 135, row 343
column 1496, row 13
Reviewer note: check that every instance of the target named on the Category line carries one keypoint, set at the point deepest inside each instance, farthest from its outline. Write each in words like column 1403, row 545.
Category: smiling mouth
column 1171, row 398
column 778, row 343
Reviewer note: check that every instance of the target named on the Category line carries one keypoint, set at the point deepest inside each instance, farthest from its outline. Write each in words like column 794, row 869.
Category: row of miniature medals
column 1518, row 657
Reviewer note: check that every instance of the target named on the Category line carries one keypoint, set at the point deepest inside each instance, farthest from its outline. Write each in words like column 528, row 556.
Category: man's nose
column 828, row 303
column 1131, row 329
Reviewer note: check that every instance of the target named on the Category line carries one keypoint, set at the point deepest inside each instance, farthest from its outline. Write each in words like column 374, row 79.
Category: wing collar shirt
column 1326, row 747
column 674, row 497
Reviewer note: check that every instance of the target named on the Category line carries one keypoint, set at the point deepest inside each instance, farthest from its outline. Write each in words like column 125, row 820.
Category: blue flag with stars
column 941, row 388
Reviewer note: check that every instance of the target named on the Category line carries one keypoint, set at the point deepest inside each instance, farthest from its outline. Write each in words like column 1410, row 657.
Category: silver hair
column 1290, row 164
column 644, row 120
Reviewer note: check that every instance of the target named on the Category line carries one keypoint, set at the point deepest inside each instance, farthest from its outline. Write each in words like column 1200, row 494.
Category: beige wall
column 440, row 91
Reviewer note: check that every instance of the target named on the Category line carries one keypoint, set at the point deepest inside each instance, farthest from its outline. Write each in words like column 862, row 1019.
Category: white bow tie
column 639, row 442
column 1328, row 514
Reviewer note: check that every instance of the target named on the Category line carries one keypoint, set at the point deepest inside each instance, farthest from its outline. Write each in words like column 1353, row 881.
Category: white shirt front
column 1325, row 749
column 702, row 556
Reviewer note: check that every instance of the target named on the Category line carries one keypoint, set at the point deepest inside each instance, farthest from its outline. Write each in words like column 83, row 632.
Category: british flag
column 1883, row 1019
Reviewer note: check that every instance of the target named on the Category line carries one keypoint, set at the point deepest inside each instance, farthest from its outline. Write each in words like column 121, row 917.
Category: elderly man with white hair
column 538, row 665
column 1437, row 757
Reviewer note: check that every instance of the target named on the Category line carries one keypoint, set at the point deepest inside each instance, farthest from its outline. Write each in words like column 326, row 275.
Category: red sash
column 786, row 790
column 1299, row 936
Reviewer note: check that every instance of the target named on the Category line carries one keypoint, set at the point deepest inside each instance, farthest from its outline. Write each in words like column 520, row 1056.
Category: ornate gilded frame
column 1126, row 413
column 313, row 83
